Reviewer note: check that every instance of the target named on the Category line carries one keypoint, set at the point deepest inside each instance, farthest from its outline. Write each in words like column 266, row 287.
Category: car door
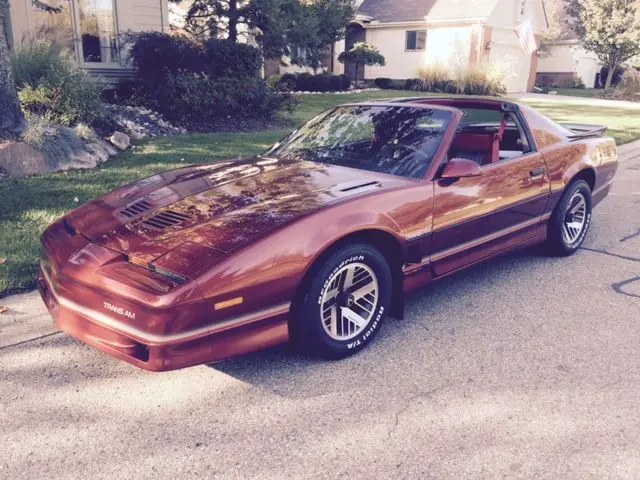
column 479, row 216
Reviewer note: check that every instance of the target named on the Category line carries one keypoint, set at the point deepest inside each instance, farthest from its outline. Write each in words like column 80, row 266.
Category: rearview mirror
column 461, row 168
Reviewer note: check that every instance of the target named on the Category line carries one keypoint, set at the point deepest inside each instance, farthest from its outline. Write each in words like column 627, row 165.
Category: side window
column 416, row 41
column 478, row 134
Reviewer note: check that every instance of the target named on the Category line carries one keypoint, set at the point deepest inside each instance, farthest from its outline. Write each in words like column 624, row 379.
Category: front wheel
column 344, row 303
column 571, row 219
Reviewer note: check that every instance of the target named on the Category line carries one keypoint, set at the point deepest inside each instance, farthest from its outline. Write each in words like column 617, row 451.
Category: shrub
column 154, row 53
column 50, row 84
column 383, row 83
column 336, row 83
column 629, row 86
column 306, row 82
column 346, row 82
column 436, row 78
column 481, row 80
column 39, row 62
column 288, row 82
column 195, row 84
column 576, row 82
column 196, row 98
column 225, row 58
column 413, row 84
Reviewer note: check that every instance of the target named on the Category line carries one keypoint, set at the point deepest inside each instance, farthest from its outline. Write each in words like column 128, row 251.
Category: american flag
column 524, row 31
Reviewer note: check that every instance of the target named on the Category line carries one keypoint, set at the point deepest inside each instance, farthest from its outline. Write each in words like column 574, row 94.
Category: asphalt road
column 525, row 367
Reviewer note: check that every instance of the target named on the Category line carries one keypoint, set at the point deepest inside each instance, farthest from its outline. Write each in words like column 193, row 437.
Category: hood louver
column 166, row 219
column 136, row 209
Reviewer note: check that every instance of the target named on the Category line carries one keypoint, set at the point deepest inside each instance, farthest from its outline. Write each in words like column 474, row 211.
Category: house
column 93, row 30
column 454, row 33
column 565, row 61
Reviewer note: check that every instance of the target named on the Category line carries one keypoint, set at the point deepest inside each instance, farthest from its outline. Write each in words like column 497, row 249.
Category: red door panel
column 477, row 217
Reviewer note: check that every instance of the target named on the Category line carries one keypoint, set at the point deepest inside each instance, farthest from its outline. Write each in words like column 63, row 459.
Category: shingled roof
column 432, row 10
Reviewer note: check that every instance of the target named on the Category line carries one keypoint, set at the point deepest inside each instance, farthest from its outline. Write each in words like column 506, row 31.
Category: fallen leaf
column 3, row 260
column 3, row 309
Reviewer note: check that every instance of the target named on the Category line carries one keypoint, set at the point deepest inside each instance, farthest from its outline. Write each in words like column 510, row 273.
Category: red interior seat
column 473, row 146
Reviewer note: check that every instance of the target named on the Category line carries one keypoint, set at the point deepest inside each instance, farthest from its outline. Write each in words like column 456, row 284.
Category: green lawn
column 580, row 92
column 28, row 205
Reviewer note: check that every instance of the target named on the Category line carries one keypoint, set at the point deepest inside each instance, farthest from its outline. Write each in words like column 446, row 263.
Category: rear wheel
column 571, row 219
column 344, row 302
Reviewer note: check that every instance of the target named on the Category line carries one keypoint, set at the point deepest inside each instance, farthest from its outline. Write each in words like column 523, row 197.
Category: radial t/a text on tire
column 344, row 302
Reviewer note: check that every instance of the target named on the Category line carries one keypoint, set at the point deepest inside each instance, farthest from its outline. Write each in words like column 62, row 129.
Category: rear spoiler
column 584, row 131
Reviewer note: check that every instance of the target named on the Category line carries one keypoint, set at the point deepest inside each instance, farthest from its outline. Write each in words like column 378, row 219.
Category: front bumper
column 233, row 337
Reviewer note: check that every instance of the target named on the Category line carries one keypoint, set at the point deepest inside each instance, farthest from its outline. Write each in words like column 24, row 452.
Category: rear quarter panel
column 566, row 158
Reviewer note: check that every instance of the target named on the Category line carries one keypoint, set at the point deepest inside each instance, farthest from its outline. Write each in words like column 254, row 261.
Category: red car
column 319, row 238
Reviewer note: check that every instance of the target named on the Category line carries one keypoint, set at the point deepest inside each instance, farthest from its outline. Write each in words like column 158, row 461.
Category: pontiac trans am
column 318, row 239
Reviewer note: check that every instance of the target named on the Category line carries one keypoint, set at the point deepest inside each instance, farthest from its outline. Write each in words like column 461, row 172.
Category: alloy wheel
column 575, row 218
column 349, row 302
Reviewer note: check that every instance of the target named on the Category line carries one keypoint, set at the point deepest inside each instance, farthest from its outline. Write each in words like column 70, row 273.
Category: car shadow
column 287, row 372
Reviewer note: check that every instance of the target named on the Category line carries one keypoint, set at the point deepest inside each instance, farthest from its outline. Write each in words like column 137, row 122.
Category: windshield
column 396, row 140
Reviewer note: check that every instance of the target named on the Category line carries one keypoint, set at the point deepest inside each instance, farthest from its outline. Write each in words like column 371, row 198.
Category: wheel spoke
column 578, row 206
column 353, row 317
column 576, row 226
column 334, row 320
column 370, row 287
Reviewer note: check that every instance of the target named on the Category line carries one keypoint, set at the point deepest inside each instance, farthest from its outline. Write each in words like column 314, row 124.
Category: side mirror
column 461, row 168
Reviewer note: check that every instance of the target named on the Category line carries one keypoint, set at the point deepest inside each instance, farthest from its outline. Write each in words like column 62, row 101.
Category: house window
column 416, row 40
column 298, row 54
column 97, row 31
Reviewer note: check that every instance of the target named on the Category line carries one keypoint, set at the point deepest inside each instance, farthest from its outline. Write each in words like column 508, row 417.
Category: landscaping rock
column 19, row 159
column 141, row 122
column 120, row 140
column 51, row 148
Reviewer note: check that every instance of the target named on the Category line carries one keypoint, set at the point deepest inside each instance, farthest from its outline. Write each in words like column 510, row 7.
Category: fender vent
column 135, row 209
column 166, row 219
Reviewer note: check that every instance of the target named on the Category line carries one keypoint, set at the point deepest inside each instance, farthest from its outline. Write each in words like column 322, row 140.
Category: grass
column 28, row 205
column 580, row 92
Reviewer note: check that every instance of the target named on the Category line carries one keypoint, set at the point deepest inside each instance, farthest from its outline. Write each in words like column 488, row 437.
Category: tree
column 212, row 18
column 11, row 117
column 322, row 23
column 277, row 25
column 609, row 28
column 269, row 21
column 558, row 29
column 362, row 54
column 12, row 121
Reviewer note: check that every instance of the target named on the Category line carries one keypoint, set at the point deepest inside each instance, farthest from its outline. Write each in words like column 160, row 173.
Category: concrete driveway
column 525, row 367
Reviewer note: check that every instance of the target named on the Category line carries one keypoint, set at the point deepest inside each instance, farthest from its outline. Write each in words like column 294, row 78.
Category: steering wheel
column 410, row 147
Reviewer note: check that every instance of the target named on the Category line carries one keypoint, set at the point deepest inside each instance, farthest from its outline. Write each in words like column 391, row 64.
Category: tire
column 571, row 220
column 335, row 320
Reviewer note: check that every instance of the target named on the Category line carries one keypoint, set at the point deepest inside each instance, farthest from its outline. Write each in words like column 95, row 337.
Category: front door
column 480, row 216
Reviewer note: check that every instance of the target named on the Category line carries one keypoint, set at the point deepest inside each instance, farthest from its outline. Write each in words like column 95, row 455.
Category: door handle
column 537, row 173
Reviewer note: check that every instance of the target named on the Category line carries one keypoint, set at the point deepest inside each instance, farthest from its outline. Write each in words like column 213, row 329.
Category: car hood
column 221, row 206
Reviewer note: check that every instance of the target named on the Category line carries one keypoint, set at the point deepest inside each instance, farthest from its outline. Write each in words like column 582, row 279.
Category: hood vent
column 136, row 209
column 166, row 219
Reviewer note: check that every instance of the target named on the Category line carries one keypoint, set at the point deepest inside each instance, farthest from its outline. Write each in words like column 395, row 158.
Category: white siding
column 507, row 55
column 142, row 15
column 449, row 46
column 571, row 58
column 510, row 13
